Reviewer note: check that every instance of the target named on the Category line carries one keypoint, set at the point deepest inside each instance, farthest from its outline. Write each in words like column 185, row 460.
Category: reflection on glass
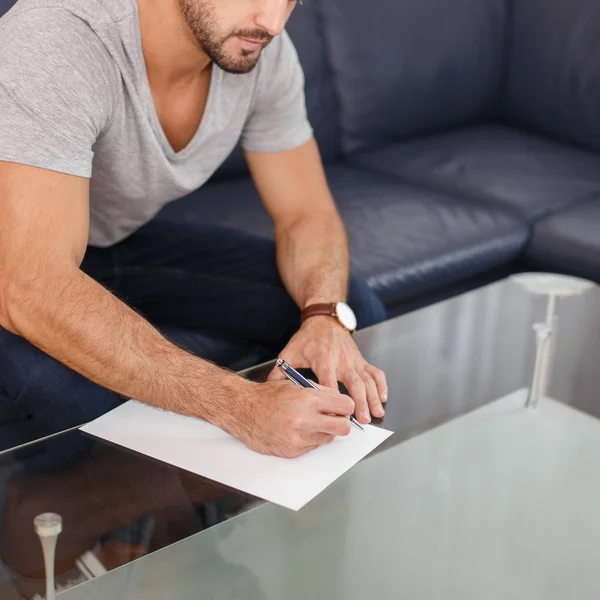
column 48, row 527
column 116, row 507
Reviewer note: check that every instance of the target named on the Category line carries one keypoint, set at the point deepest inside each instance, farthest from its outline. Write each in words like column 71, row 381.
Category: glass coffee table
column 474, row 496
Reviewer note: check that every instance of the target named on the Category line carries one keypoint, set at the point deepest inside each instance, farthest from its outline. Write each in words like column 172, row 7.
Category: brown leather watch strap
column 314, row 310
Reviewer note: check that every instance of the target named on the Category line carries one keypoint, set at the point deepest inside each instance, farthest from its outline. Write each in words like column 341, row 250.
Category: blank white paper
column 202, row 448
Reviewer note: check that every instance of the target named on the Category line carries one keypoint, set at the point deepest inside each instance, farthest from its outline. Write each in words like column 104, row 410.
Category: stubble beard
column 200, row 19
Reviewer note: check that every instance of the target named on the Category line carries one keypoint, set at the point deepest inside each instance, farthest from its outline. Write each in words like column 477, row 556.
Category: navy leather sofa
column 461, row 140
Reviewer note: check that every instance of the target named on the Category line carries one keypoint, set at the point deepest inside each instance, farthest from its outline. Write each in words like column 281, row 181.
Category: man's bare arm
column 47, row 299
column 313, row 260
column 312, row 246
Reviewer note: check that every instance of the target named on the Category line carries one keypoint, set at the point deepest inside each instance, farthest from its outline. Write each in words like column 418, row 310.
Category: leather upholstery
column 496, row 164
column 569, row 241
column 408, row 67
column 554, row 68
column 305, row 29
column 404, row 239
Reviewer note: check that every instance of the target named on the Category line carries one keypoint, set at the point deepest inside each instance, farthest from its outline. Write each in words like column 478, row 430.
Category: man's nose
column 272, row 15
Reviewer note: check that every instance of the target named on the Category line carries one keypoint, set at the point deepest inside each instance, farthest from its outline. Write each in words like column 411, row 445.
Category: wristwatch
column 338, row 310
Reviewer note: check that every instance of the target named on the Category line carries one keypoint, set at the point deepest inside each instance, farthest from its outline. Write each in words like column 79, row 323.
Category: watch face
column 346, row 315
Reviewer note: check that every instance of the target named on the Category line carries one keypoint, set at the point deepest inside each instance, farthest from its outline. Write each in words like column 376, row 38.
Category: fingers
column 368, row 388
column 373, row 400
column 335, row 426
column 334, row 403
column 298, row 362
column 319, row 439
column 307, row 443
column 380, row 381
column 276, row 375
column 356, row 389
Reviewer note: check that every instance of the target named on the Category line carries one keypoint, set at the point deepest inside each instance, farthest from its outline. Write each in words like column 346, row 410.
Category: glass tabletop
column 491, row 504
column 116, row 507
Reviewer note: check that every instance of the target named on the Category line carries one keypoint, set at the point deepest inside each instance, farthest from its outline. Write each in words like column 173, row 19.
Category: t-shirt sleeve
column 278, row 119
column 58, row 90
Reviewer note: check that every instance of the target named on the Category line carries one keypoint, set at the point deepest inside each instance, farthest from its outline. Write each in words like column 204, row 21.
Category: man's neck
column 171, row 51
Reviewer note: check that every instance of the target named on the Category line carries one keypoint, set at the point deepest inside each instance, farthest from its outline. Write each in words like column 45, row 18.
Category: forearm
column 74, row 319
column 314, row 260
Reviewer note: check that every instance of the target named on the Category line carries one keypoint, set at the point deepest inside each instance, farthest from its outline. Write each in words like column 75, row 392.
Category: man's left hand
column 325, row 347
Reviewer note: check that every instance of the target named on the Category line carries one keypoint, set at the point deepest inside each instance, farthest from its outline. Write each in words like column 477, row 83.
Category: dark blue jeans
column 185, row 279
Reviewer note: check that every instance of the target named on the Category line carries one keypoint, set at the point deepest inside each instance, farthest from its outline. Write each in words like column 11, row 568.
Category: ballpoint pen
column 300, row 380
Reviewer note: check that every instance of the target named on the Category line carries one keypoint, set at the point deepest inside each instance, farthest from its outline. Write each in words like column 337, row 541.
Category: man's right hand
column 282, row 419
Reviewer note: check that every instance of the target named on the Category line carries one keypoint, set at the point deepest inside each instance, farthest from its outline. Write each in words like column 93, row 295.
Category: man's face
column 232, row 33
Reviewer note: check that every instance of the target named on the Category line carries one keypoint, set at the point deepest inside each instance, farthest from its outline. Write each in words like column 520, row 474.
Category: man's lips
column 252, row 44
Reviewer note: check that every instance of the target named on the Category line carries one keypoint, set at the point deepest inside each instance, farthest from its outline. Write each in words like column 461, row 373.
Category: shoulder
column 53, row 50
column 48, row 29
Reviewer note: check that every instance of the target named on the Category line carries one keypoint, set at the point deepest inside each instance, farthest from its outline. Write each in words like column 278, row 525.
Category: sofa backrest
column 553, row 83
column 408, row 67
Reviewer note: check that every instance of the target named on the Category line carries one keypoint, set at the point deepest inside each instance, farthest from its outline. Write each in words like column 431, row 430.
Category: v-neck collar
column 150, row 107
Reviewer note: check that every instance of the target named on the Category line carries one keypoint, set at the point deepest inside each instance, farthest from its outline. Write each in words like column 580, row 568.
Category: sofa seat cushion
column 405, row 239
column 569, row 241
column 496, row 164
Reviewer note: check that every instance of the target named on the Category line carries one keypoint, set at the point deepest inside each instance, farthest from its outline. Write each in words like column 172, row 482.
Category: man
column 109, row 109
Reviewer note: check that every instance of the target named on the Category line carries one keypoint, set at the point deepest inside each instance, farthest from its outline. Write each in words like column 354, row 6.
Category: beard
column 200, row 18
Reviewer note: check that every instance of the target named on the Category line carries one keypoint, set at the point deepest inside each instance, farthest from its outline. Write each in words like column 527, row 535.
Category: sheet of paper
column 202, row 448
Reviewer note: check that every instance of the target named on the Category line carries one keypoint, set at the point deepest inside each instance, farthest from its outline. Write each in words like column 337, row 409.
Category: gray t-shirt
column 75, row 98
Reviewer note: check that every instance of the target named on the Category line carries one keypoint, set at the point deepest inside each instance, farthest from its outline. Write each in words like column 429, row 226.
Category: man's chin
column 240, row 66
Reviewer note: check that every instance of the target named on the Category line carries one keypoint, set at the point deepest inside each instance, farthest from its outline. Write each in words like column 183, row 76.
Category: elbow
column 9, row 299
column 30, row 297
column 21, row 299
